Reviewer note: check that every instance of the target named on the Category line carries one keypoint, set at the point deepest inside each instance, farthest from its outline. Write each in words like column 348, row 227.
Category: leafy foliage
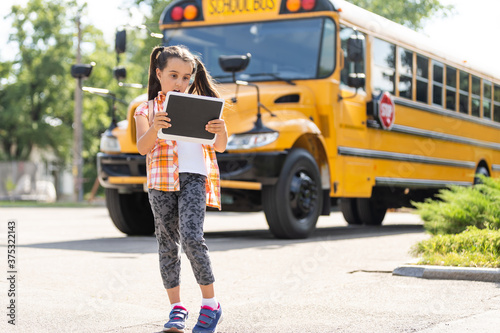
column 37, row 89
column 410, row 13
column 460, row 207
column 471, row 248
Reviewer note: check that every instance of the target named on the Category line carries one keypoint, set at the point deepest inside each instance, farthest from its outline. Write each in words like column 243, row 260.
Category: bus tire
column 349, row 208
column 130, row 212
column 370, row 212
column 481, row 170
column 292, row 206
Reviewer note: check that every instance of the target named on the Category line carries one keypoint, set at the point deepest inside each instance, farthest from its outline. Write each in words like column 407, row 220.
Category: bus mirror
column 355, row 48
column 120, row 73
column 234, row 63
column 120, row 41
column 356, row 80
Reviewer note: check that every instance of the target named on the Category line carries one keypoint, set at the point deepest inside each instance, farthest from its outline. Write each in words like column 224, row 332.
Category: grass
column 471, row 248
column 35, row 204
column 465, row 222
column 459, row 207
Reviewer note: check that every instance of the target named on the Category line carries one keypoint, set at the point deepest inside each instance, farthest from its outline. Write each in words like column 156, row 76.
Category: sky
column 471, row 34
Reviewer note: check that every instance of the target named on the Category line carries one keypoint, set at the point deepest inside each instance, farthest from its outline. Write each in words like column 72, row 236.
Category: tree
column 37, row 90
column 411, row 13
column 34, row 97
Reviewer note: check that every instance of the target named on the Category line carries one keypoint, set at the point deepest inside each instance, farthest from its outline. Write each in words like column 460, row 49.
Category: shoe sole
column 173, row 330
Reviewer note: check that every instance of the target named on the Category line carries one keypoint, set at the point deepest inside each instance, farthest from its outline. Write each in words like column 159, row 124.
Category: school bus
column 325, row 103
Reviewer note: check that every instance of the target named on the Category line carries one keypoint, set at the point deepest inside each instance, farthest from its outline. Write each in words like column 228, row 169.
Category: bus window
column 422, row 78
column 464, row 92
column 437, row 83
column 475, row 96
column 405, row 73
column 451, row 88
column 496, row 104
column 487, row 99
column 384, row 67
column 327, row 55
column 349, row 66
column 274, row 53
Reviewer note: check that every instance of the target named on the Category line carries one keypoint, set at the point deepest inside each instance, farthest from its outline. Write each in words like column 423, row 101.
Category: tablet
column 189, row 115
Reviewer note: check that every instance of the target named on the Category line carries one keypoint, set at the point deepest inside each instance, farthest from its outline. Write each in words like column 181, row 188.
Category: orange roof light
column 293, row 5
column 190, row 12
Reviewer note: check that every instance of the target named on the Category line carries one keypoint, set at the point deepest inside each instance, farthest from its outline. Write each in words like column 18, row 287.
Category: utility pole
column 77, row 125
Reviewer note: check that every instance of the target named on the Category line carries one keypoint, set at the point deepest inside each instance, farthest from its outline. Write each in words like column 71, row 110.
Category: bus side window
column 350, row 67
column 464, row 92
column 487, row 99
column 451, row 88
column 383, row 71
column 475, row 96
column 437, row 83
column 496, row 104
column 405, row 73
column 422, row 78
column 328, row 52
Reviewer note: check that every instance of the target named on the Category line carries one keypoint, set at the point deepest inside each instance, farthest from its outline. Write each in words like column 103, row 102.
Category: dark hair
column 203, row 83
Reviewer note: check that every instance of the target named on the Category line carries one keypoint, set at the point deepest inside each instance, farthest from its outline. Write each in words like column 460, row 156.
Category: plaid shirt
column 163, row 161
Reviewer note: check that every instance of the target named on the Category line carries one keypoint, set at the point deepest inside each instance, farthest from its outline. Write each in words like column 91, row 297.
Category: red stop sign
column 386, row 111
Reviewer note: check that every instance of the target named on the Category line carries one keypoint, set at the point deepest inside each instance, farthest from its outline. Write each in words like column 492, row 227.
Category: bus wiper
column 222, row 77
column 290, row 82
column 276, row 76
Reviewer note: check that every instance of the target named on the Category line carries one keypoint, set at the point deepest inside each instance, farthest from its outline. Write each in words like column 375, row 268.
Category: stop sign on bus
column 386, row 111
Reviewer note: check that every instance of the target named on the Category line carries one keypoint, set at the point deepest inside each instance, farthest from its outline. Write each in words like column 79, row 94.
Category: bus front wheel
column 130, row 212
column 292, row 206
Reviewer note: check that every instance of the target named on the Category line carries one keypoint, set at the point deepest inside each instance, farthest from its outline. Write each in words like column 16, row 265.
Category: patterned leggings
column 179, row 217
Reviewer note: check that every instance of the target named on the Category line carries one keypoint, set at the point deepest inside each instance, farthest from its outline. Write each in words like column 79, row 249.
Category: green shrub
column 459, row 207
column 471, row 248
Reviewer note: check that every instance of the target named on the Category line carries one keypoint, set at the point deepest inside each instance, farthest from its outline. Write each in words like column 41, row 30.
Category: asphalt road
column 76, row 273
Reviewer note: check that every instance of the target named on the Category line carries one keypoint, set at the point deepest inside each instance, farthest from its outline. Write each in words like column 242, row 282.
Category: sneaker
column 208, row 320
column 177, row 320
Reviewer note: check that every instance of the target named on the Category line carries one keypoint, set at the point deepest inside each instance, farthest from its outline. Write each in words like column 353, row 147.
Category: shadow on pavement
column 228, row 240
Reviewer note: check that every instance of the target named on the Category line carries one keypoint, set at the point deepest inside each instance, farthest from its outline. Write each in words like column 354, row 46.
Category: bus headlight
column 109, row 143
column 248, row 141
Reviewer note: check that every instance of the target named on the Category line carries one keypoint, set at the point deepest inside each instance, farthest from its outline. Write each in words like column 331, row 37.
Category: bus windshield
column 280, row 49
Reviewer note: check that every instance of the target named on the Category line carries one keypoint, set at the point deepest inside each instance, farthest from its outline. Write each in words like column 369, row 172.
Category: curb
column 449, row 273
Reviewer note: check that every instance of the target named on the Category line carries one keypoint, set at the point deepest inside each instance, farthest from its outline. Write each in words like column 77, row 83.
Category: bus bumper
column 125, row 172
column 263, row 168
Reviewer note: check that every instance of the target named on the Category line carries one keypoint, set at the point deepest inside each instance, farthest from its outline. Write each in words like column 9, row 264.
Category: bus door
column 353, row 134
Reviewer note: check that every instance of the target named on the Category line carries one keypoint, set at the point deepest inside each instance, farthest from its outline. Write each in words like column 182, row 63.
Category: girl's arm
column 218, row 126
column 146, row 136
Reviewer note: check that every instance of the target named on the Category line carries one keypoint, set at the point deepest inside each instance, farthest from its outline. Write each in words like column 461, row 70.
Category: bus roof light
column 177, row 13
column 308, row 4
column 190, row 12
column 293, row 5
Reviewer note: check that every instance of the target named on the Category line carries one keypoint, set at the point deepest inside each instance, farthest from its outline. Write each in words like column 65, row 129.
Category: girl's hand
column 216, row 126
column 161, row 121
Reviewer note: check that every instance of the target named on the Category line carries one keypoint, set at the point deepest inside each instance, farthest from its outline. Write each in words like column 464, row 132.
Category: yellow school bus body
column 368, row 166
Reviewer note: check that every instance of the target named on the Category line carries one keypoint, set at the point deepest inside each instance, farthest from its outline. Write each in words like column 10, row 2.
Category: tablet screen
column 188, row 116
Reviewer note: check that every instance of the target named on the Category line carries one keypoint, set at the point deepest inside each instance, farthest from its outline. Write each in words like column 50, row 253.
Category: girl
column 183, row 178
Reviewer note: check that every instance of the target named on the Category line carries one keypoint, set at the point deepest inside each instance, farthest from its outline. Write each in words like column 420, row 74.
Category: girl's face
column 175, row 76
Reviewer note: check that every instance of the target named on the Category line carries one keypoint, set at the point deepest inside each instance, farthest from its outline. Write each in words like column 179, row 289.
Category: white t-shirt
column 191, row 158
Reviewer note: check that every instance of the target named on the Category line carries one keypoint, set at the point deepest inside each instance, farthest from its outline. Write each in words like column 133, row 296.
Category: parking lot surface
column 77, row 273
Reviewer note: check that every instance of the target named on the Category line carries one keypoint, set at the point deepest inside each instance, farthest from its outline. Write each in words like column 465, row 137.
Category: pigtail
column 154, row 85
column 203, row 83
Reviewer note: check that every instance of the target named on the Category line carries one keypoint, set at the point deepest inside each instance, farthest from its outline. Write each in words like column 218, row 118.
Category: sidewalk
column 449, row 273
